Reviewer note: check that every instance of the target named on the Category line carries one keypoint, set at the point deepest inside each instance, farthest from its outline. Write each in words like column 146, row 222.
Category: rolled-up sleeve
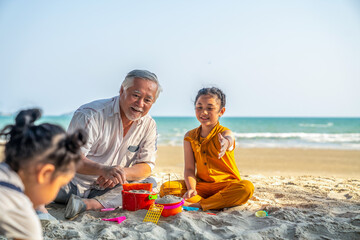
column 82, row 120
column 148, row 147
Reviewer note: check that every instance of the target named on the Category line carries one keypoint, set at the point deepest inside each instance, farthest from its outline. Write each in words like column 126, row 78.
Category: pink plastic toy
column 107, row 209
column 118, row 219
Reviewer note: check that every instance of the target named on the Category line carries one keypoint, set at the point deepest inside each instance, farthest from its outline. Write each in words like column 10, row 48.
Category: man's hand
column 190, row 193
column 111, row 176
column 224, row 144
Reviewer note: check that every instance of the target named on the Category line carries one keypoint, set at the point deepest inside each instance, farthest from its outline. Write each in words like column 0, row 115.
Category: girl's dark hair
column 214, row 92
column 30, row 144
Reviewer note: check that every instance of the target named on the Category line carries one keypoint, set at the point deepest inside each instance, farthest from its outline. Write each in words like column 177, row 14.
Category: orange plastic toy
column 171, row 209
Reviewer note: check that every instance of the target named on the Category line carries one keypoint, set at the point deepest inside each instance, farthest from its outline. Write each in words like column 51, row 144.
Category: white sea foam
column 279, row 144
column 287, row 140
column 316, row 125
column 311, row 137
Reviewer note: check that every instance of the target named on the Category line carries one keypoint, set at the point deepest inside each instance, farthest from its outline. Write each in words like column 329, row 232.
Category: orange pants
column 220, row 195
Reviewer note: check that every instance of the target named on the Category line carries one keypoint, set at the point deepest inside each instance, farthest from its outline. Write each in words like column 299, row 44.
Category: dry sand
column 309, row 194
column 276, row 161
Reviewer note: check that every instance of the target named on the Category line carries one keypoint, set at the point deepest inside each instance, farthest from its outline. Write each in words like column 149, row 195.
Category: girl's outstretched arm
column 227, row 140
column 189, row 171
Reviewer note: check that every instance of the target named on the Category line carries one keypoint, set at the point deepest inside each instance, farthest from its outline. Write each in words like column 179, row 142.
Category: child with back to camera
column 39, row 159
column 209, row 151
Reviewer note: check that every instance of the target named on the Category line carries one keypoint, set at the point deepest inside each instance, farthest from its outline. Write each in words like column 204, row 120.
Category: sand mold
column 168, row 199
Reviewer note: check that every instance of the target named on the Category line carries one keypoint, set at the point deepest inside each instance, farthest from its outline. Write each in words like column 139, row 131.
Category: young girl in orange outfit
column 211, row 176
column 39, row 159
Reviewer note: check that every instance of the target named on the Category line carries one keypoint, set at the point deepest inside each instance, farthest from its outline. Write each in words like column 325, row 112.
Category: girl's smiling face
column 207, row 110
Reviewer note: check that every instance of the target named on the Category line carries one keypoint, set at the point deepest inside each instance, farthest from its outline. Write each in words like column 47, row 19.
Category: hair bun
column 27, row 117
column 74, row 141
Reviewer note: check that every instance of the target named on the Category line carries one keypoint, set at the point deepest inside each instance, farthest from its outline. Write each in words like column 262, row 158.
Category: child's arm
column 227, row 140
column 189, row 171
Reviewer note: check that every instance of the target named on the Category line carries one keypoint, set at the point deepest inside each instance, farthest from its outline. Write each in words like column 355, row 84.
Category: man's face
column 136, row 101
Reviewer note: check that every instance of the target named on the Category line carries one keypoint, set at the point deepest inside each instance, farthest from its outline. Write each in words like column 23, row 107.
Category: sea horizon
column 254, row 132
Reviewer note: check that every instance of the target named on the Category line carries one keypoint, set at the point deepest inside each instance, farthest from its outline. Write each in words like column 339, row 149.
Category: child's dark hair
column 44, row 143
column 214, row 92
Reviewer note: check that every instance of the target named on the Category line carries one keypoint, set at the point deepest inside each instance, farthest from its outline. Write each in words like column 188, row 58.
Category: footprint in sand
column 279, row 195
column 348, row 196
column 254, row 198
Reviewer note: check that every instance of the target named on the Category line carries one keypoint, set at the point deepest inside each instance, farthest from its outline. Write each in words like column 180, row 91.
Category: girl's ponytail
column 27, row 118
column 74, row 141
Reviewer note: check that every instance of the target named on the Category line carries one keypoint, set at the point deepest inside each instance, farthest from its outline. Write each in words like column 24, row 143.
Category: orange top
column 206, row 150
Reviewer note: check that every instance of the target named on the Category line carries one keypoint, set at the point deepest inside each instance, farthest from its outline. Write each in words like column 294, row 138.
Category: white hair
column 143, row 74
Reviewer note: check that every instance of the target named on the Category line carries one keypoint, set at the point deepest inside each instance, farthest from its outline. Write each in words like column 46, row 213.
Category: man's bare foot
column 92, row 204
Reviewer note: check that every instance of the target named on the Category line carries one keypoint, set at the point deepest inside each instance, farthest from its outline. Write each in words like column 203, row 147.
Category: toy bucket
column 137, row 201
column 171, row 209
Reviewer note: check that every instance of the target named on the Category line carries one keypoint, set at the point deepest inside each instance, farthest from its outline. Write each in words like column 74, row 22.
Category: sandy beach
column 308, row 194
column 276, row 161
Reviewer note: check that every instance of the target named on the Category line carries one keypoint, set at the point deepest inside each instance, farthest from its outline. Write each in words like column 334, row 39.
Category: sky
column 296, row 58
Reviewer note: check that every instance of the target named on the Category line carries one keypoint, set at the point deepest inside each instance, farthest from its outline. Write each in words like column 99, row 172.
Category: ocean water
column 268, row 132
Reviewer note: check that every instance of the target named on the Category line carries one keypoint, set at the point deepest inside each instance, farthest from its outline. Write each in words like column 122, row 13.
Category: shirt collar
column 210, row 135
column 11, row 176
column 115, row 107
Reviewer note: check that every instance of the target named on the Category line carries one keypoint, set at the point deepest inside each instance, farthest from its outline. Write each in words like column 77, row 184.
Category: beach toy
column 154, row 213
column 117, row 219
column 171, row 209
column 190, row 208
column 210, row 213
column 152, row 197
column 107, row 209
column 176, row 188
column 261, row 213
column 133, row 201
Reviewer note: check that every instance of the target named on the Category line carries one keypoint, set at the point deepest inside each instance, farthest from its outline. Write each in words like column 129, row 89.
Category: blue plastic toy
column 190, row 208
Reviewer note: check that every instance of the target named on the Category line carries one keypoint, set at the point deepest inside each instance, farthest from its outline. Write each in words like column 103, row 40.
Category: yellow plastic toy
column 154, row 213
column 173, row 187
column 261, row 213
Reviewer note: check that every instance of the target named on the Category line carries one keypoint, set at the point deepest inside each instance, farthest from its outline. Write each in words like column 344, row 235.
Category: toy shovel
column 118, row 219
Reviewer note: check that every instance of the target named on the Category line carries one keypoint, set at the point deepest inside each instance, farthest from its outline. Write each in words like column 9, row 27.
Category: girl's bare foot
column 190, row 204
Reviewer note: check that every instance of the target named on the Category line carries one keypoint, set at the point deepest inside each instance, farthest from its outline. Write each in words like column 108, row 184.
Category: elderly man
column 121, row 146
